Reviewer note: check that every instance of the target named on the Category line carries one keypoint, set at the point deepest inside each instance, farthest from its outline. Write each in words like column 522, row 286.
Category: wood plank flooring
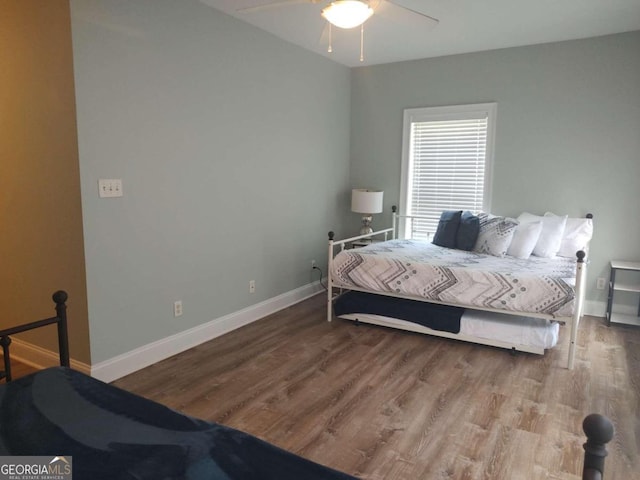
column 19, row 369
column 384, row 404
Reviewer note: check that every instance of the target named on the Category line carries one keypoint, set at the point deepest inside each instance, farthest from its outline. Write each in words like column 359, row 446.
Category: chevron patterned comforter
column 419, row 269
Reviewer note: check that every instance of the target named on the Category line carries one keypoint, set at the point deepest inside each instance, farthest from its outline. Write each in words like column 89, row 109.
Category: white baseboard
column 40, row 358
column 154, row 352
column 599, row 309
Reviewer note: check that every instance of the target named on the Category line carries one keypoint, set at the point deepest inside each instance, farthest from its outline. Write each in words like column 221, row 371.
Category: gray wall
column 567, row 137
column 233, row 147
column 234, row 151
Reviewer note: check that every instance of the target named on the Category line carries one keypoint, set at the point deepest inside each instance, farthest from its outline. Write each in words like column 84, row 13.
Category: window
column 446, row 162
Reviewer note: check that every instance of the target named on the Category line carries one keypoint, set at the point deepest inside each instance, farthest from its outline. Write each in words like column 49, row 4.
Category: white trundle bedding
column 527, row 334
column 534, row 332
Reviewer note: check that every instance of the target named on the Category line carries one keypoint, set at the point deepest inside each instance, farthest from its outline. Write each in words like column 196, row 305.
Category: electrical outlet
column 252, row 286
column 313, row 264
column 177, row 308
column 600, row 283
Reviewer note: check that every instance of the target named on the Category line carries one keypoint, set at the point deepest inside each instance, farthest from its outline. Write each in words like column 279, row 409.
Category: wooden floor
column 384, row 404
column 19, row 369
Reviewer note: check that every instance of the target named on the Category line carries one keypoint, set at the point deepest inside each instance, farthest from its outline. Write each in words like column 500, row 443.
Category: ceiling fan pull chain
column 330, row 49
column 362, row 42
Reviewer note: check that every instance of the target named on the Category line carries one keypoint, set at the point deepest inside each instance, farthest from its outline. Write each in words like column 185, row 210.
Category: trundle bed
column 417, row 286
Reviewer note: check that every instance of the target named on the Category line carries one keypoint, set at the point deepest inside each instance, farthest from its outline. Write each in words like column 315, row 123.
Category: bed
column 502, row 301
column 107, row 433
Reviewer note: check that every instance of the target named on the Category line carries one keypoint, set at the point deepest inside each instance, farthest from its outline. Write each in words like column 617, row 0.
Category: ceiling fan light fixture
column 347, row 13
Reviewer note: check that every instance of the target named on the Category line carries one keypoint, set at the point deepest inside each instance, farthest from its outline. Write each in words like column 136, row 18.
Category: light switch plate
column 110, row 187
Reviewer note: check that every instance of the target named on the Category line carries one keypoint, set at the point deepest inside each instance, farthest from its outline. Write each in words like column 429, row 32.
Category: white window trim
column 454, row 112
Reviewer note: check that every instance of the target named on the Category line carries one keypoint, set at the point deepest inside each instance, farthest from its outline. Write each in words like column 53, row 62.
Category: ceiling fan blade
column 278, row 4
column 400, row 8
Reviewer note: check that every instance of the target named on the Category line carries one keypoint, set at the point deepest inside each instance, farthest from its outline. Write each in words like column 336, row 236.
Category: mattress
column 516, row 329
column 421, row 270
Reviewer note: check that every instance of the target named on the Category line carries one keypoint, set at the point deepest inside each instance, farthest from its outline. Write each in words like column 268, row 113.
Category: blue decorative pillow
column 467, row 231
column 447, row 229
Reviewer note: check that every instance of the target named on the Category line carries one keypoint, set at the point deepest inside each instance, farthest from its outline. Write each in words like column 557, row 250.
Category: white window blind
column 447, row 166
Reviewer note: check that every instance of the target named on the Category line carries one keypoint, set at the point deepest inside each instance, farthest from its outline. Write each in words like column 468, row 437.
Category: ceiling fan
column 345, row 14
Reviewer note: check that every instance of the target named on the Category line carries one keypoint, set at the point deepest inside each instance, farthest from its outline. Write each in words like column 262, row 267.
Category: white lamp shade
column 364, row 200
column 347, row 13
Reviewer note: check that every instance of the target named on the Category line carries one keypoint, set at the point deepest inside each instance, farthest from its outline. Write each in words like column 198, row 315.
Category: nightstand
column 625, row 277
column 363, row 243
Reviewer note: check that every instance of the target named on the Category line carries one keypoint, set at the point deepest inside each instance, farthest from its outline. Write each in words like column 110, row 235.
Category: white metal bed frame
column 573, row 321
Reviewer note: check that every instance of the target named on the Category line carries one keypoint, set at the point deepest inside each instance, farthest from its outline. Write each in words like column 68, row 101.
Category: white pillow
column 495, row 234
column 550, row 238
column 577, row 234
column 524, row 239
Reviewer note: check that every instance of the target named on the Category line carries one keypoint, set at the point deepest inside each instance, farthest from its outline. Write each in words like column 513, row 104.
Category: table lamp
column 368, row 202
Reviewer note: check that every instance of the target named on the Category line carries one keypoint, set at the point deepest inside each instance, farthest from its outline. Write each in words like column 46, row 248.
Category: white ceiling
column 464, row 25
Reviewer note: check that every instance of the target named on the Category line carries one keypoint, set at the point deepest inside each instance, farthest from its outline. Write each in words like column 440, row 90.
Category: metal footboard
column 60, row 298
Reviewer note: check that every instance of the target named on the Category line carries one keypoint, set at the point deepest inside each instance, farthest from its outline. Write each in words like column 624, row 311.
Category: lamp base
column 366, row 225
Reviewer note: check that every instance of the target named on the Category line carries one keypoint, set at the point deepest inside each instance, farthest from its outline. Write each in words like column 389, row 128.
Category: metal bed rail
column 60, row 298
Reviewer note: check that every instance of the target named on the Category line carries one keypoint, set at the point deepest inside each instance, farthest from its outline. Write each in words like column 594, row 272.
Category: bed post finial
column 60, row 297
column 331, row 235
column 394, row 209
column 580, row 254
column 589, row 215
column 599, row 431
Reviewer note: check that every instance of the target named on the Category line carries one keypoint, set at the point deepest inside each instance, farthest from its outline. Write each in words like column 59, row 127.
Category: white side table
column 629, row 281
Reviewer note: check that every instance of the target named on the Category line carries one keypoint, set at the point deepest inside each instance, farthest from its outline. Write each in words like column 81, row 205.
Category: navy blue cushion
column 447, row 229
column 467, row 231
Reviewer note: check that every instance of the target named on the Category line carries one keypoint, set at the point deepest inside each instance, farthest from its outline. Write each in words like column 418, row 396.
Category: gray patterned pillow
column 495, row 234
